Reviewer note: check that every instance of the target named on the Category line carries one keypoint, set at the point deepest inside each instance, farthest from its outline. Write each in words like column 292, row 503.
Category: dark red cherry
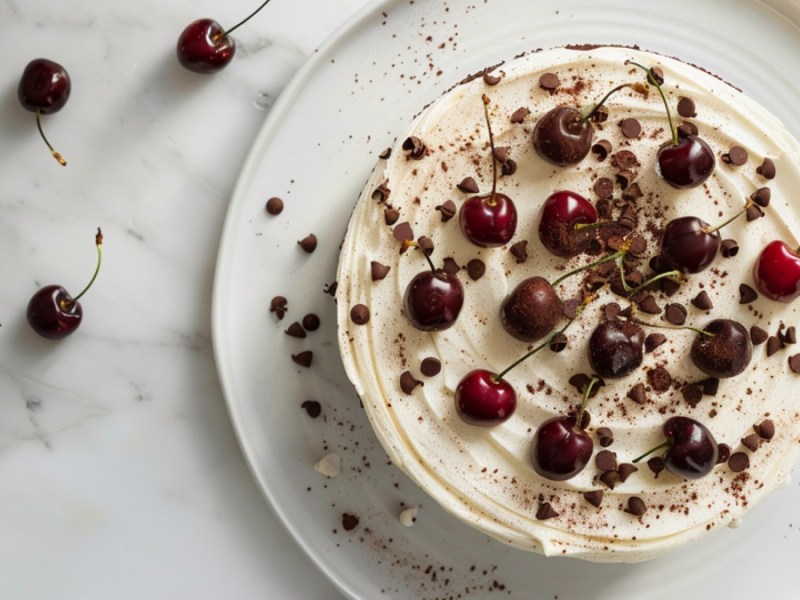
column 44, row 87
column 616, row 348
column 561, row 212
column 562, row 136
column 531, row 310
column 488, row 221
column 204, row 47
column 692, row 450
column 433, row 300
column 561, row 449
column 483, row 399
column 726, row 352
column 688, row 245
column 687, row 163
column 53, row 313
column 777, row 272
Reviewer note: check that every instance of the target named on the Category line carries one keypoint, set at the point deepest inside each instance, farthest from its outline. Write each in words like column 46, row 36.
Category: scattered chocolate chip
column 738, row 462
column 359, row 314
column 425, row 244
column 602, row 149
column 710, row 386
column 468, row 185
column 675, row 313
column 794, row 363
column 303, row 358
column 773, row 345
column 729, row 248
column 308, row 243
column 296, row 330
column 330, row 288
column 692, row 393
column 549, row 82
column 627, row 219
column 475, row 269
column 605, row 460
column 686, row 107
column 378, row 270
column 545, row 511
column 631, row 128
column 632, row 192
column 765, row 429
column 274, row 206
column 447, row 210
column 636, row 506
column 279, row 306
column 312, row 407
column 625, row 470
column 789, row 336
column 349, row 522
column 659, row 379
column 702, row 301
column 753, row 212
column 580, row 380
column 558, row 342
column 761, row 196
column 605, row 436
column 600, row 115
column 501, row 154
column 609, row 478
column 430, row 366
column 611, row 311
column 758, row 335
column 390, row 216
column 570, row 308
column 518, row 116
column 649, row 305
column 450, row 266
column 751, row 442
column 381, row 193
column 408, row 382
column 311, row 322
column 723, row 453
column 653, row 341
column 594, row 497
column 624, row 159
column 386, row 153
column 604, row 188
column 414, row 147
column 767, row 169
column 735, row 156
column 519, row 250
column 490, row 79
column 656, row 465
column 509, row 167
column 403, row 232
column 686, row 128
column 746, row 294
column 637, row 394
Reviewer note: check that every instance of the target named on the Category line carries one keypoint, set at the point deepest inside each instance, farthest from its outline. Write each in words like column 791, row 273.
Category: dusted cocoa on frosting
column 484, row 476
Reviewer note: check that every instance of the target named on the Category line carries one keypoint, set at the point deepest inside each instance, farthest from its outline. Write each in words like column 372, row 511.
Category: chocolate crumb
column 312, row 407
column 686, row 107
column 605, row 460
column 594, row 497
column 359, row 314
column 751, row 442
column 758, row 335
column 303, row 358
column 794, row 363
column 605, row 436
column 637, row 393
column 430, row 366
column 746, row 294
column 468, row 185
column 308, row 243
column 274, row 206
column 631, row 128
column 447, row 210
column 659, row 379
column 545, row 511
column 475, row 269
column 738, row 462
column 702, row 301
column 378, row 270
column 408, row 382
column 296, row 330
column 414, row 147
column 349, row 522
column 636, row 506
column 519, row 251
column 729, row 248
column 311, row 322
column 767, row 169
column 765, row 429
column 653, row 341
column 279, row 306
column 549, row 82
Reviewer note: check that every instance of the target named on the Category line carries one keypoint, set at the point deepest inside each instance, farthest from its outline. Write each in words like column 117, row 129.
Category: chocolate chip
column 686, row 107
column 692, row 393
column 509, row 167
column 308, row 243
column 761, row 196
column 631, row 128
column 729, row 248
column 468, row 185
column 710, row 386
column 637, row 394
column 653, row 341
column 425, row 244
column 447, row 210
column 580, row 380
column 702, row 301
column 490, row 79
column 414, row 147
column 349, row 522
column 794, row 363
column 330, row 288
column 605, row 436
column 609, row 478
column 312, row 407
column 430, row 366
column 735, row 156
column 594, row 497
column 753, row 212
column 545, row 511
column 627, row 219
column 656, row 465
column 602, row 149
column 518, row 116
column 311, row 322
column 675, row 313
column 605, row 460
column 773, row 345
column 746, row 294
column 765, row 429
column 790, row 335
column 751, row 442
column 549, row 82
column 475, row 269
column 686, row 128
column 758, row 335
column 624, row 178
column 624, row 159
column 403, row 232
column 378, row 270
column 625, row 470
column 604, row 188
column 279, row 306
column 600, row 115
column 296, row 330
column 359, row 314
column 738, row 462
column 659, row 379
column 649, row 305
column 501, row 154
column 636, row 506
column 450, row 266
column 632, row 192
column 381, row 193
column 408, row 382
column 303, row 358
column 386, row 153
column 767, row 169
column 519, row 251
column 611, row 311
column 274, row 206
column 558, row 342
column 390, row 216
column 723, row 453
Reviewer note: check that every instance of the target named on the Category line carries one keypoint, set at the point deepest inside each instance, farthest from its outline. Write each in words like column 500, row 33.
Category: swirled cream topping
column 406, row 377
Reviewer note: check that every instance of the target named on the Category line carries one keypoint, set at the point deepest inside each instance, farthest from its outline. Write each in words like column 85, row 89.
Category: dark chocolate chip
column 509, row 167
column 386, row 153
column 636, row 506
column 656, row 465
column 308, row 243
column 580, row 380
column 751, row 442
column 475, row 269
column 378, row 270
column 518, row 116
column 765, row 429
column 558, row 342
column 279, row 306
column 753, row 212
column 490, row 79
column 735, row 156
column 773, row 345
column 501, row 154
column 758, row 335
column 794, row 363
column 381, row 193
column 767, row 169
column 519, row 250
column 359, row 314
column 549, row 82
column 545, row 511
column 611, row 311
column 632, row 192
column 391, row 215
column 447, row 210
column 609, row 478
column 710, row 386
column 330, row 288
column 349, row 522
column 304, row 358
column 430, row 366
column 312, row 407
column 675, row 313
column 685, row 128
column 605, row 436
column 761, row 196
column 637, row 394
column 425, row 244
column 686, row 107
column 723, row 453
column 274, row 206
column 600, row 115
column 653, row 341
column 605, row 460
column 625, row 470
column 624, row 159
column 692, row 393
column 408, row 382
column 746, row 294
column 649, row 305
column 604, row 188
column 631, row 128
column 738, row 462
column 403, row 232
column 414, row 147
column 594, row 497
column 311, row 322
column 468, row 185
column 790, row 335
column 659, row 379
column 450, row 266
column 729, row 248
column 296, row 330
column 702, row 301
column 602, row 149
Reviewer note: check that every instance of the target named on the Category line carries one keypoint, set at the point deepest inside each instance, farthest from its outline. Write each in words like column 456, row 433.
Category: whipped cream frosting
column 484, row 476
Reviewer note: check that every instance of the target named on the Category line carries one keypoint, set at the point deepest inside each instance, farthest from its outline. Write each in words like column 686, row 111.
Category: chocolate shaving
column 447, row 210
column 296, row 330
column 274, row 206
column 378, row 270
column 602, row 148
column 359, row 314
column 702, row 301
column 729, row 248
column 381, row 193
column 303, row 358
column 767, row 169
column 430, row 366
column 475, row 269
column 414, row 147
column 624, row 178
column 746, row 294
column 632, row 192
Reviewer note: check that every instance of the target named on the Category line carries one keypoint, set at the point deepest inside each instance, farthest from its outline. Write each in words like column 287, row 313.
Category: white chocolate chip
column 329, row 465
column 409, row 516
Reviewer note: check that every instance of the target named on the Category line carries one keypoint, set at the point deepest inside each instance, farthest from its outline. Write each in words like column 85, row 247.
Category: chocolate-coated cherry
column 205, row 47
column 484, row 400
column 52, row 312
column 561, row 447
column 561, row 214
column 722, row 349
column 777, row 272
column 689, row 244
column 490, row 220
column 44, row 88
column 692, row 450
column 531, row 310
column 433, row 300
column 616, row 348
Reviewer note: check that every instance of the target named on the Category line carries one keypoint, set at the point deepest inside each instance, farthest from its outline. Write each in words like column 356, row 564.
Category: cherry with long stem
column 44, row 88
column 433, row 298
column 692, row 450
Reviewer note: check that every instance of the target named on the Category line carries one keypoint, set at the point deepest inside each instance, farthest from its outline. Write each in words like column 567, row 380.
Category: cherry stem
column 486, row 101
column 530, row 353
column 53, row 151
column 98, row 240
column 242, row 22
column 618, row 254
column 641, row 286
column 663, row 444
column 585, row 402
column 651, row 79
column 747, row 205
column 589, row 111
column 662, row 326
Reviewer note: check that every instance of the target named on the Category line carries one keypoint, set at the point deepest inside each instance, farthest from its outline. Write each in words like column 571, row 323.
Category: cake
column 677, row 374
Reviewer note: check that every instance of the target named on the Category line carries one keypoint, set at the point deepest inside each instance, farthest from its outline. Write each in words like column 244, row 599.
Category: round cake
column 565, row 300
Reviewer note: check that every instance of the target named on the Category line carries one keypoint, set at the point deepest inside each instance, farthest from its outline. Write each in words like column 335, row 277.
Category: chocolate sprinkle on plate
column 408, row 382
column 349, row 522
column 274, row 206
column 738, row 462
column 359, row 314
column 303, row 358
column 296, row 330
column 430, row 366
column 311, row 322
column 746, row 294
column 312, row 407
column 308, row 243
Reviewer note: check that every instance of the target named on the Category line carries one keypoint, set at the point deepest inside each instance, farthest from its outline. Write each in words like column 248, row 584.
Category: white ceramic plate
column 349, row 102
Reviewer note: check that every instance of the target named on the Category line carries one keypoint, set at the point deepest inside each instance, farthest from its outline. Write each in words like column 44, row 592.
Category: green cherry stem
column 653, row 80
column 243, row 21
column 485, row 99
column 530, row 353
column 585, row 402
column 618, row 254
column 53, row 151
column 98, row 240
column 663, row 444
column 590, row 110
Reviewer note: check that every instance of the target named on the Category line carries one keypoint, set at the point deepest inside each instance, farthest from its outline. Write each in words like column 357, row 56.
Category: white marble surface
column 120, row 473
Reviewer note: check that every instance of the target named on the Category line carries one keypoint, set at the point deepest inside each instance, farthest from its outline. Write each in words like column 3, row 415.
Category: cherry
column 561, row 212
column 44, row 88
column 52, row 312
column 777, row 272
column 722, row 349
column 531, row 310
column 490, row 220
column 689, row 244
column 484, row 400
column 205, row 47
column 687, row 160
column 561, row 447
column 433, row 300
column 616, row 348
column 691, row 449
